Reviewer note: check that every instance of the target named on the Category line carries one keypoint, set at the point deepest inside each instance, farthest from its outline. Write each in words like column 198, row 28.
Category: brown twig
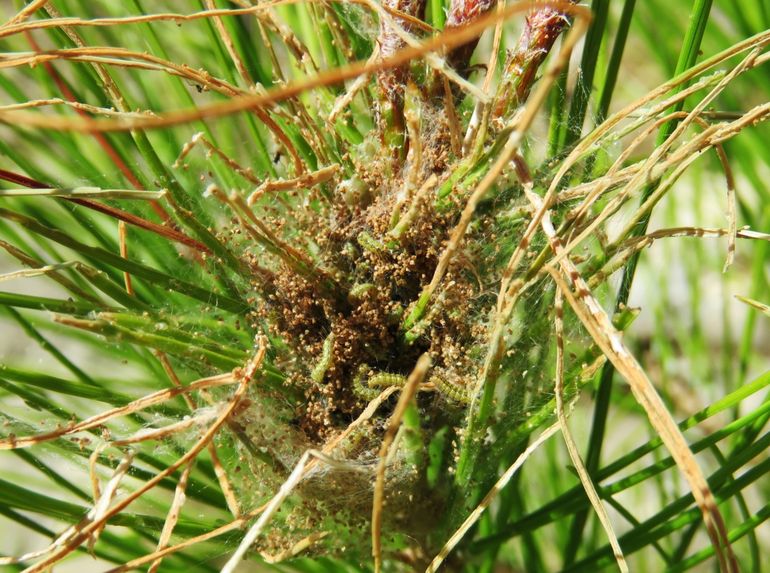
column 445, row 40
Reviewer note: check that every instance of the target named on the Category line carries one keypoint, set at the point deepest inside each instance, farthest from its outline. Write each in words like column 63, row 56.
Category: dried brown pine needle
column 389, row 223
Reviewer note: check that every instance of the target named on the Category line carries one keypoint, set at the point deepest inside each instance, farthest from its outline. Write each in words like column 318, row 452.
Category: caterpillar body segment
column 369, row 388
column 325, row 362
column 386, row 380
column 361, row 386
column 369, row 243
column 454, row 392
column 359, row 290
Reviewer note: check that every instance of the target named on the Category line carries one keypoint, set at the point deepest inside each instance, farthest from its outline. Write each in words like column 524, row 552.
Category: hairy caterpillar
column 454, row 392
column 359, row 290
column 369, row 243
column 326, row 360
column 370, row 388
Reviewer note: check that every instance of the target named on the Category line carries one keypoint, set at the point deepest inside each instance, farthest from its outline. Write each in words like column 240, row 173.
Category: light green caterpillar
column 326, row 361
column 369, row 243
column 368, row 389
column 373, row 245
column 359, row 290
column 454, row 392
